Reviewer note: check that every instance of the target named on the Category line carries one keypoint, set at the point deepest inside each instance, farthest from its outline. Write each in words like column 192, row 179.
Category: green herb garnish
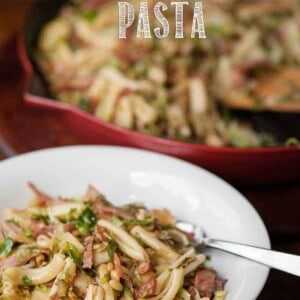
column 26, row 281
column 6, row 246
column 208, row 257
column 90, row 15
column 219, row 29
column 84, row 104
column 127, row 293
column 28, row 233
column 105, row 278
column 272, row 22
column 41, row 217
column 70, row 250
column 86, row 221
column 139, row 70
column 111, row 249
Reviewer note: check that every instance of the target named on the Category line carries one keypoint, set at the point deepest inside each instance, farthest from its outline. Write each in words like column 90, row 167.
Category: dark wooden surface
column 25, row 128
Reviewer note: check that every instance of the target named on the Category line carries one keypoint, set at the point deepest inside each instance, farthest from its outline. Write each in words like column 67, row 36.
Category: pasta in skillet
column 177, row 89
column 89, row 249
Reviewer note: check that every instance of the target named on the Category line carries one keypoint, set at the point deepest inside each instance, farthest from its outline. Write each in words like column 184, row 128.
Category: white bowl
column 126, row 175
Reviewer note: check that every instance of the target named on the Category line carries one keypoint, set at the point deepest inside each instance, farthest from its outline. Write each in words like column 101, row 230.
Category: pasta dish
column 86, row 248
column 172, row 88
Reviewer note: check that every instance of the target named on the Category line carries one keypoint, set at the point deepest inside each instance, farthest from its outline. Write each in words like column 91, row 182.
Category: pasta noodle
column 38, row 275
column 89, row 249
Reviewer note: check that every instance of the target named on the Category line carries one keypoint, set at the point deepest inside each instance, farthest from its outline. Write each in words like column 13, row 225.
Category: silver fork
column 277, row 260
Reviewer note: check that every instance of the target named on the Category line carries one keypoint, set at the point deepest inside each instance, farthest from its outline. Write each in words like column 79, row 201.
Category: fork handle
column 281, row 261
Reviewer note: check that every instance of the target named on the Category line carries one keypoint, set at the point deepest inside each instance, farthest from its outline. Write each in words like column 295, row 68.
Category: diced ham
column 88, row 253
column 146, row 290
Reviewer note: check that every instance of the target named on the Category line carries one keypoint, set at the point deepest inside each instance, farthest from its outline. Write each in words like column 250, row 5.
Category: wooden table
column 23, row 129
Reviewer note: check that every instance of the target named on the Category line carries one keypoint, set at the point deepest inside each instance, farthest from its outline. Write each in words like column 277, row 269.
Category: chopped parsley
column 86, row 221
column 6, row 246
column 272, row 22
column 111, row 249
column 26, row 281
column 90, row 15
column 127, row 293
column 28, row 233
column 41, row 217
column 70, row 250
column 84, row 104
column 105, row 278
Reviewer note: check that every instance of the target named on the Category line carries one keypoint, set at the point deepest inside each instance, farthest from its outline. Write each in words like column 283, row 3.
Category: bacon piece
column 99, row 233
column 205, row 281
column 93, row 4
column 92, row 193
column 121, row 273
column 80, row 84
column 88, row 253
column 39, row 228
column 15, row 232
column 220, row 284
column 146, row 290
column 101, row 209
column 118, row 266
column 116, row 211
column 42, row 199
column 19, row 257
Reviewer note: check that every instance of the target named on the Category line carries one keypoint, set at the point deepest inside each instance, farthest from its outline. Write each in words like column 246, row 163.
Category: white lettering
column 124, row 22
column 179, row 18
column 143, row 23
column 198, row 22
column 163, row 21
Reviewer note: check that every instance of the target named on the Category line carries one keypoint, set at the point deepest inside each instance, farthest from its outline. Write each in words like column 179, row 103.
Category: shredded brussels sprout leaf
column 86, row 221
